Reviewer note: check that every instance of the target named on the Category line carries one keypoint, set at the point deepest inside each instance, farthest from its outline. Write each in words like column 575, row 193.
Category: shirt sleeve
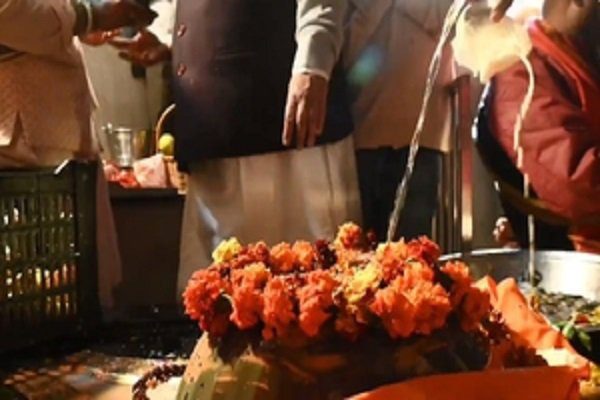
column 319, row 36
column 429, row 15
column 561, row 150
column 37, row 27
column 163, row 25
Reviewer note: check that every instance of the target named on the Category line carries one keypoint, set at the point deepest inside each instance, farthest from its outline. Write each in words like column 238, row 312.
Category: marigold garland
column 348, row 284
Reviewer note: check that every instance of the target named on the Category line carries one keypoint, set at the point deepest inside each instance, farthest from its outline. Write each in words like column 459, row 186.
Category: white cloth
column 46, row 104
column 319, row 35
column 388, row 48
column 122, row 99
column 283, row 196
column 46, row 87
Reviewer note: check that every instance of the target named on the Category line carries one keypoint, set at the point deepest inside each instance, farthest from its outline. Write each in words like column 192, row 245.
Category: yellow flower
column 226, row 250
column 361, row 282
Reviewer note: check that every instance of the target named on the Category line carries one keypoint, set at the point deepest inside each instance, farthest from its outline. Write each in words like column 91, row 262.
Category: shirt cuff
column 311, row 71
column 315, row 53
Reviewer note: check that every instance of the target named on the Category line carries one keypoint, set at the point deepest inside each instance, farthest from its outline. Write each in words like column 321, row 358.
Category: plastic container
column 48, row 270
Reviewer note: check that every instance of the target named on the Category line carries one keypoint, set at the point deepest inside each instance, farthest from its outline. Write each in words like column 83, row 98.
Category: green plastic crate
column 48, row 268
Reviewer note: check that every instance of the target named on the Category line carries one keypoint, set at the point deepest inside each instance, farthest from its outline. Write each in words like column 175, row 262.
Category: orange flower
column 349, row 236
column 259, row 252
column 415, row 272
column 305, row 254
column 391, row 257
column 396, row 312
column 204, row 289
column 283, row 258
column 432, row 306
column 246, row 295
column 459, row 273
column 278, row 310
column 424, row 249
column 315, row 297
column 474, row 308
column 348, row 327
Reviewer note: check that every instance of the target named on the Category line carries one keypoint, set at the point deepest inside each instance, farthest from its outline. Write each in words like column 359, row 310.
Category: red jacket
column 561, row 131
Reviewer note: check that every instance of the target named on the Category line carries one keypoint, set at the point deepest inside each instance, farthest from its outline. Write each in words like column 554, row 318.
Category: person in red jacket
column 561, row 130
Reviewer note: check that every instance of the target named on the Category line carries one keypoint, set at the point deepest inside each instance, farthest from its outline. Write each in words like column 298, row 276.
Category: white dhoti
column 283, row 196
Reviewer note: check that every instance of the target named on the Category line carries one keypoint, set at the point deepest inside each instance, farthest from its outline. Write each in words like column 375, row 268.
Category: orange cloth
column 523, row 384
column 528, row 328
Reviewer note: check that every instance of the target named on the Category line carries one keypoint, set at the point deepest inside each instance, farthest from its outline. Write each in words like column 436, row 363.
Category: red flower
column 349, row 236
column 315, row 297
column 259, row 252
column 278, row 310
column 246, row 295
column 203, row 290
column 306, row 255
column 395, row 310
column 424, row 249
column 283, row 258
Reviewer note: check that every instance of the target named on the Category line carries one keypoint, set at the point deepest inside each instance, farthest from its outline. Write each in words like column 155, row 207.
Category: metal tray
column 566, row 272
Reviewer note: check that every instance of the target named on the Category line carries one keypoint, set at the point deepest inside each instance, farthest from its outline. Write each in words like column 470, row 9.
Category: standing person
column 389, row 45
column 46, row 102
column 560, row 133
column 232, row 65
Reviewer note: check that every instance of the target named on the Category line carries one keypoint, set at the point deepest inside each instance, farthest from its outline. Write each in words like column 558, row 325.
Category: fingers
column 302, row 124
column 500, row 10
column 289, row 121
column 139, row 15
column 317, row 120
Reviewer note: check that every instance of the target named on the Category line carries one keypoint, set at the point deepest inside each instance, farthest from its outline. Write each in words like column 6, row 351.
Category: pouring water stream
column 450, row 21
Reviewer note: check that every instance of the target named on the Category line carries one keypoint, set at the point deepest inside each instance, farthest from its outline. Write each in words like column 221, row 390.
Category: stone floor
column 103, row 367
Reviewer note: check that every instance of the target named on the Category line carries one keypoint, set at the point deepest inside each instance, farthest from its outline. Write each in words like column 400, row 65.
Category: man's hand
column 305, row 110
column 144, row 49
column 112, row 14
column 500, row 9
column 98, row 38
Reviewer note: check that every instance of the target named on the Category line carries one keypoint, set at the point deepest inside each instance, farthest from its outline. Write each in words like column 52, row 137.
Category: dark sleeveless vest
column 232, row 62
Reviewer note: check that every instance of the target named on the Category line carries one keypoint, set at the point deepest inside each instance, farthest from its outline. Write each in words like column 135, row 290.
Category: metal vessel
column 565, row 272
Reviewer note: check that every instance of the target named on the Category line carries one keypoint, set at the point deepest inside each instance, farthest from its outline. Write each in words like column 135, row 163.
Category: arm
column 38, row 27
column 561, row 150
column 319, row 36
column 46, row 27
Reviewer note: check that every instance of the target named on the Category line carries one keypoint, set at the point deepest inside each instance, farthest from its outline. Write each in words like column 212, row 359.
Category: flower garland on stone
column 352, row 284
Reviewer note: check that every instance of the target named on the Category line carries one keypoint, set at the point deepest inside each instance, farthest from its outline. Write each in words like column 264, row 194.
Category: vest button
column 181, row 68
column 181, row 30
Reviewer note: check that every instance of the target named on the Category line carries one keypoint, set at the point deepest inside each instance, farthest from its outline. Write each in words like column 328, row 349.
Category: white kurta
column 283, row 196
column 46, row 105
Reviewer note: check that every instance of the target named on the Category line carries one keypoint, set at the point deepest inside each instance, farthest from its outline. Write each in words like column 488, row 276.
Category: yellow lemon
column 166, row 144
